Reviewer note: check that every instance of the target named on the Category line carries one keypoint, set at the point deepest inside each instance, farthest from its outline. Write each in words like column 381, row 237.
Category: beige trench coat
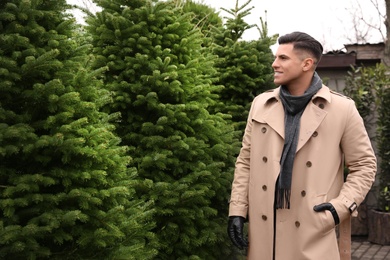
column 331, row 133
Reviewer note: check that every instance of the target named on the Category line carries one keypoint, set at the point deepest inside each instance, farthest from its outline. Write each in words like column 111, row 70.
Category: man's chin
column 278, row 82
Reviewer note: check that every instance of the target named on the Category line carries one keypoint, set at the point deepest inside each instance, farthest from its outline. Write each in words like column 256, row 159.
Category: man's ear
column 308, row 64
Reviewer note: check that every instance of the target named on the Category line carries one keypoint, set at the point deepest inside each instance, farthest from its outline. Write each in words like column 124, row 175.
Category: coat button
column 297, row 224
column 264, row 217
column 315, row 134
column 265, row 159
column 263, row 130
column 308, row 164
column 264, row 187
column 321, row 106
column 303, row 193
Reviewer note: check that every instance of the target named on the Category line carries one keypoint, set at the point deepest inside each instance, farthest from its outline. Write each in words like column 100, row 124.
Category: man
column 289, row 178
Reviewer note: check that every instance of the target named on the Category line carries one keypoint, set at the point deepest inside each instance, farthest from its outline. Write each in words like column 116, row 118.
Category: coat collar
column 323, row 93
column 311, row 118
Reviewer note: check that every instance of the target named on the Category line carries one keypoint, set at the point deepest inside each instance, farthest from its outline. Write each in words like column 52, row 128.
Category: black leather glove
column 235, row 231
column 328, row 206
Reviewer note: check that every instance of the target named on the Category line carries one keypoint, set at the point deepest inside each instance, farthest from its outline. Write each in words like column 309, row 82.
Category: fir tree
column 203, row 17
column 66, row 188
column 244, row 67
column 162, row 80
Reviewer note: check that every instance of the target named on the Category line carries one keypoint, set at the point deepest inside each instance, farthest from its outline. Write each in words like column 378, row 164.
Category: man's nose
column 274, row 64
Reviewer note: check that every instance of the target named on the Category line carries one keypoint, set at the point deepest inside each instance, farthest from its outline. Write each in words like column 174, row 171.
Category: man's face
column 288, row 65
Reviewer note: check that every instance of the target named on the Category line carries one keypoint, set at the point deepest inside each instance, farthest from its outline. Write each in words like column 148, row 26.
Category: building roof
column 356, row 54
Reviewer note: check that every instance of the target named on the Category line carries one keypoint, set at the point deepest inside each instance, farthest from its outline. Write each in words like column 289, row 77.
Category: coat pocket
column 325, row 217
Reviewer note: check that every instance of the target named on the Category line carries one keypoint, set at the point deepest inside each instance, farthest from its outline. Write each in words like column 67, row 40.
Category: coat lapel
column 310, row 121
column 274, row 117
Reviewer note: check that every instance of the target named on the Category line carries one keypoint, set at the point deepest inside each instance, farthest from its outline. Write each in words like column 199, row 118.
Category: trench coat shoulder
column 264, row 97
column 332, row 96
column 339, row 94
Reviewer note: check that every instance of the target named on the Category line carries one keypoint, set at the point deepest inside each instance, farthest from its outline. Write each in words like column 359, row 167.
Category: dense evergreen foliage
column 244, row 67
column 65, row 185
column 118, row 138
column 204, row 17
column 380, row 76
column 362, row 89
column 368, row 87
column 161, row 79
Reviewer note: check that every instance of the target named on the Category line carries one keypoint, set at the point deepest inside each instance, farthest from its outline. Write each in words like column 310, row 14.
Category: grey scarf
column 293, row 110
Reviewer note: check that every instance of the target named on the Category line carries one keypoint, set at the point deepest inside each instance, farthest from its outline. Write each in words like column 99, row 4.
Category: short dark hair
column 303, row 41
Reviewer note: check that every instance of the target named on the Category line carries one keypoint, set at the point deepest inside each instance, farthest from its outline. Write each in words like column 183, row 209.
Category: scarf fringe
column 283, row 199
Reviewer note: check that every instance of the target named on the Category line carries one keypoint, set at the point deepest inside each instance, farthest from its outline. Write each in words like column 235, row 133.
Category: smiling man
column 289, row 179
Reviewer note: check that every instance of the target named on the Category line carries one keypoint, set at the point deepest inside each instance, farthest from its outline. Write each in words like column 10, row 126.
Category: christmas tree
column 66, row 185
column 244, row 67
column 162, row 79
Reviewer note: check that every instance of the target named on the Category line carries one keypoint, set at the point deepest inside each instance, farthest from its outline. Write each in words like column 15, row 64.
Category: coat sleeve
column 361, row 162
column 239, row 196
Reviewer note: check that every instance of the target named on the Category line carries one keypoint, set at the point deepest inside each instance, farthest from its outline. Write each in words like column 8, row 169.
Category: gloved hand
column 328, row 206
column 235, row 231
